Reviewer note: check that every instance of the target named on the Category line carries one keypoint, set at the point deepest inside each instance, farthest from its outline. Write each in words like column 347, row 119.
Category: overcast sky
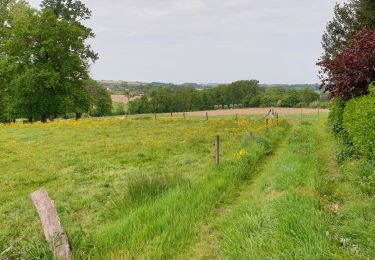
column 208, row 41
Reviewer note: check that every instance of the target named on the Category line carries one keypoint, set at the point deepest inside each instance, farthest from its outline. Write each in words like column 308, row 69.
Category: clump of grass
column 143, row 187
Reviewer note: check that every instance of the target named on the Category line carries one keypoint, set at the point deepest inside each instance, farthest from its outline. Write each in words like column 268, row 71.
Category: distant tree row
column 246, row 93
column 44, row 60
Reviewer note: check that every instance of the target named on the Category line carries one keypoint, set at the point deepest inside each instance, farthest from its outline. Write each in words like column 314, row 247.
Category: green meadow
column 141, row 188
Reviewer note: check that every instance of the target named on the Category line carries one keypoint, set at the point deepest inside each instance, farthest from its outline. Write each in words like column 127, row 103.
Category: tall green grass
column 166, row 226
column 282, row 216
column 114, row 171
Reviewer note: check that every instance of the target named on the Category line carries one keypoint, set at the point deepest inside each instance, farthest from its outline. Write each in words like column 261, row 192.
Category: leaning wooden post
column 184, row 115
column 267, row 123
column 217, row 150
column 207, row 116
column 53, row 230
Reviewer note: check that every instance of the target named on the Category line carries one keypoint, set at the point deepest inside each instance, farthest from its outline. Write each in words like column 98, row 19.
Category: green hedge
column 335, row 118
column 359, row 124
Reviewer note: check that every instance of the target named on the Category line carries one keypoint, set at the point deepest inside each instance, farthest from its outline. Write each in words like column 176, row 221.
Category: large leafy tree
column 350, row 73
column 49, row 57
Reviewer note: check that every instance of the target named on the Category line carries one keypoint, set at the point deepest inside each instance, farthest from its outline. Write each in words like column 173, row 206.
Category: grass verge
column 282, row 217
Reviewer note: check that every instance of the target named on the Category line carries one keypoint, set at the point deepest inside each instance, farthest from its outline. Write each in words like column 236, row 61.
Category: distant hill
column 313, row 86
column 120, row 86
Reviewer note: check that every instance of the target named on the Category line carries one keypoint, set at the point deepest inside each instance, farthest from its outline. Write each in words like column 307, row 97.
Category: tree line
column 244, row 93
column 45, row 60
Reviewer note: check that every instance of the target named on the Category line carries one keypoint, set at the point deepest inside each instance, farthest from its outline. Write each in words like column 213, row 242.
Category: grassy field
column 148, row 189
column 103, row 174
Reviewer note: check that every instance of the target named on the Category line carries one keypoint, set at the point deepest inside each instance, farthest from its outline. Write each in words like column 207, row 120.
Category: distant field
column 122, row 99
column 258, row 111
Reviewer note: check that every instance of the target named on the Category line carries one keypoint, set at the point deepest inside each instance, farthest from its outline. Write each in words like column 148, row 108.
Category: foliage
column 366, row 13
column 100, row 99
column 348, row 17
column 335, row 118
column 349, row 73
column 119, row 109
column 140, row 106
column 359, row 123
column 339, row 30
column 237, row 94
column 44, row 58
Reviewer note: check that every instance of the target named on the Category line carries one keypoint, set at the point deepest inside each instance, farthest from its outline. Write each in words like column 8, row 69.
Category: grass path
column 284, row 213
column 207, row 245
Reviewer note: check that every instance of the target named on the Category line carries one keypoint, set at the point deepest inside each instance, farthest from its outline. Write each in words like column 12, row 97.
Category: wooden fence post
column 53, row 230
column 184, row 115
column 207, row 116
column 217, row 150
column 319, row 111
column 267, row 120
column 236, row 116
column 277, row 118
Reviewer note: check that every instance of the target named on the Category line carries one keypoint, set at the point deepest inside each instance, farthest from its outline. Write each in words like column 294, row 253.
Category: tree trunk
column 78, row 116
column 43, row 118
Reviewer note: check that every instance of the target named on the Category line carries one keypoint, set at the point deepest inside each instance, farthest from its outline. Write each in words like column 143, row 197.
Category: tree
column 99, row 101
column 366, row 13
column 339, row 30
column 291, row 98
column 348, row 18
column 349, row 74
column 309, row 96
column 68, row 10
column 49, row 57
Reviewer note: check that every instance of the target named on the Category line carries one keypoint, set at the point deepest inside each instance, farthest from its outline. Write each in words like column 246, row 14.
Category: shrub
column 335, row 118
column 359, row 123
column 119, row 109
